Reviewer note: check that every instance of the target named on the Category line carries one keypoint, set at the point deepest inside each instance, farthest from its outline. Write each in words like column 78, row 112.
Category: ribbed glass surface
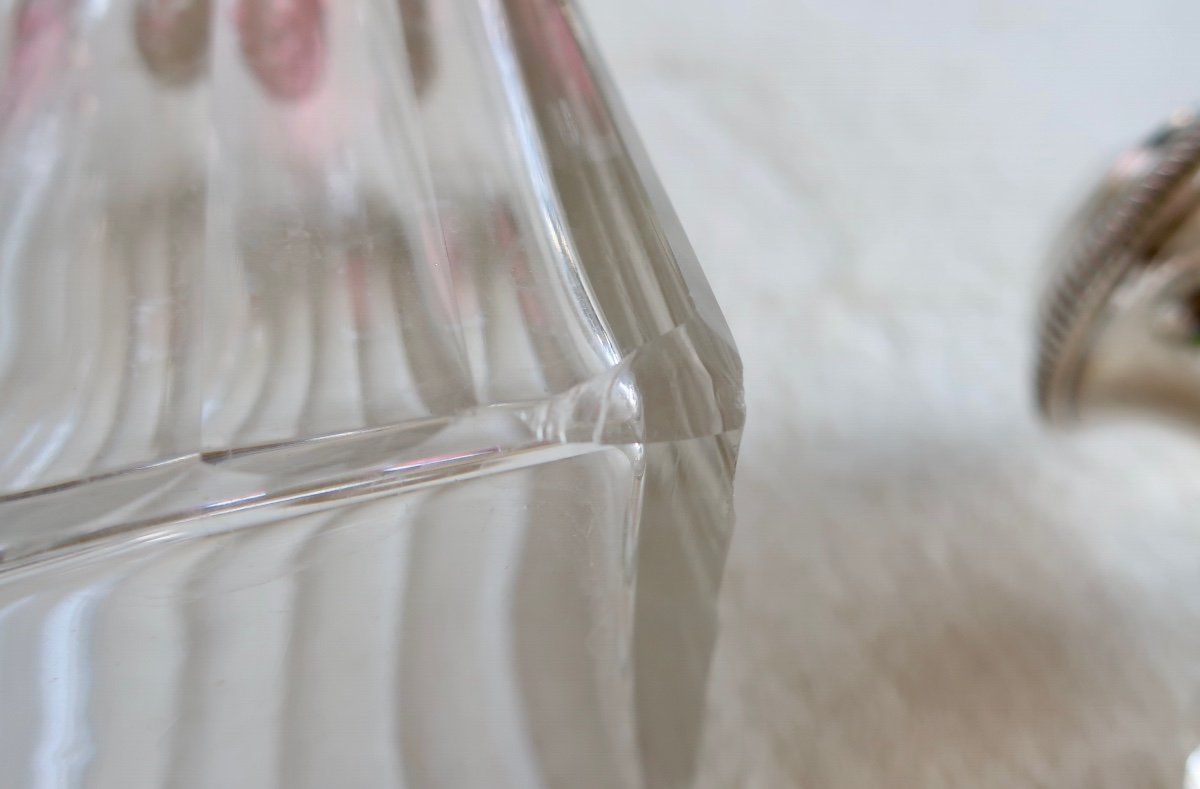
column 365, row 421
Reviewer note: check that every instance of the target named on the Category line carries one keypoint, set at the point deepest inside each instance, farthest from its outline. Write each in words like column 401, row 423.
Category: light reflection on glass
column 1191, row 778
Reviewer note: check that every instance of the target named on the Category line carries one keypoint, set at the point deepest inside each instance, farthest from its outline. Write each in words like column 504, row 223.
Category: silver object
column 1120, row 326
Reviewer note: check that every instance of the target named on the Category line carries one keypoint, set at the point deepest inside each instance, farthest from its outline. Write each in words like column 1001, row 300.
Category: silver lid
column 1122, row 236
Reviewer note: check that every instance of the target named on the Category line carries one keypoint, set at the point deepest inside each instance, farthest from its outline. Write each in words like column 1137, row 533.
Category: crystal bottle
column 366, row 420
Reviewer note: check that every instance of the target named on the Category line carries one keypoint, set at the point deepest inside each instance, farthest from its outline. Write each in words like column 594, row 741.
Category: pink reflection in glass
column 283, row 42
column 40, row 36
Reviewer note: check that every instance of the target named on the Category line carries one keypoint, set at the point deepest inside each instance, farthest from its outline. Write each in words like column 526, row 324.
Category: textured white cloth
column 926, row 588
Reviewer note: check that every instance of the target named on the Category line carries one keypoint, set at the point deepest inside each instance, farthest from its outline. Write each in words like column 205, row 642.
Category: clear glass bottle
column 366, row 421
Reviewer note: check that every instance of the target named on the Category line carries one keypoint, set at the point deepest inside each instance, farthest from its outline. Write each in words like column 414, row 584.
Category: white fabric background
column 926, row 589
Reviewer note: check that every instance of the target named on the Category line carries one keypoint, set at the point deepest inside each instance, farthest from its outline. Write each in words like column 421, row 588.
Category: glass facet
column 366, row 421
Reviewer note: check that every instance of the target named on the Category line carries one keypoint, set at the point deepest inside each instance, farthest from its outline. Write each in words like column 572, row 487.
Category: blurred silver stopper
column 1120, row 326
